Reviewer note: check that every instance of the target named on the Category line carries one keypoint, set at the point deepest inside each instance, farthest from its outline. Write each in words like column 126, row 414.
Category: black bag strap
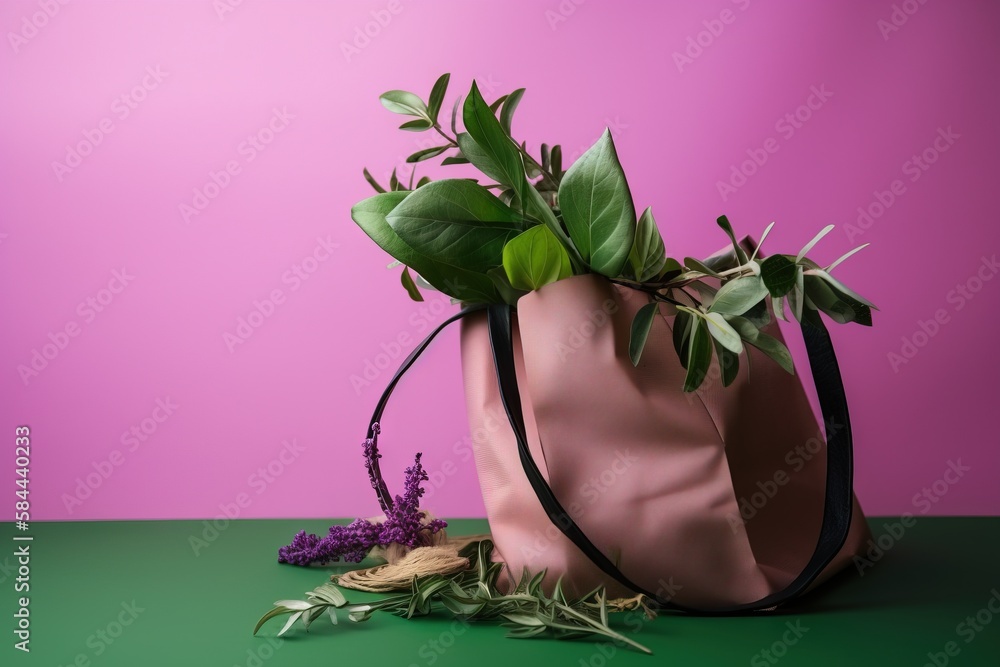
column 384, row 497
column 838, row 501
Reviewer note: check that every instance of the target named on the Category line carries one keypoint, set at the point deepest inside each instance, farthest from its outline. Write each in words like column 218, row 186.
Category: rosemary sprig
column 473, row 595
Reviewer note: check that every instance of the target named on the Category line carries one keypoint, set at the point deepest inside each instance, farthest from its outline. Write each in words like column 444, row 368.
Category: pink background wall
column 197, row 84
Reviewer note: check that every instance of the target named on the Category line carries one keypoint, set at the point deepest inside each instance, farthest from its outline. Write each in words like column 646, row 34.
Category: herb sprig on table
column 530, row 222
column 473, row 595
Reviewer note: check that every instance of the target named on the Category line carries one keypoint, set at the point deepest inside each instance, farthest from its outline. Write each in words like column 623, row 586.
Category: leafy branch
column 473, row 595
column 544, row 224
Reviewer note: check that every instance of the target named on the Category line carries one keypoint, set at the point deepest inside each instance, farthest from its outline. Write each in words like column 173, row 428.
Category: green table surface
column 135, row 593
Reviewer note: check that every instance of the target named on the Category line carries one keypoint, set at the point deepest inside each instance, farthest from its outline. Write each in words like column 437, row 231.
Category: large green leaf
column 458, row 223
column 778, row 274
column 370, row 214
column 739, row 295
column 641, row 324
column 597, row 207
column 647, row 256
column 535, row 258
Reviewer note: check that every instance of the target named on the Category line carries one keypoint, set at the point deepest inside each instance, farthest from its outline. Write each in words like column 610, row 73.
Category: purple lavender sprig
column 404, row 524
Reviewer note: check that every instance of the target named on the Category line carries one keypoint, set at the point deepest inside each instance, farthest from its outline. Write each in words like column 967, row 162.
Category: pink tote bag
column 725, row 500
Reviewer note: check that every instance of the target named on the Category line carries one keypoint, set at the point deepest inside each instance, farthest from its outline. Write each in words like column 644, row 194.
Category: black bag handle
column 837, row 504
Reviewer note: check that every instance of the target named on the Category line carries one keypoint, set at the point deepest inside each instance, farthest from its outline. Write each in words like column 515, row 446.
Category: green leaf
column 845, row 291
column 769, row 345
column 723, row 333
column 555, row 161
column 508, row 292
column 671, row 269
column 682, row 335
column 427, row 154
column 394, row 184
column 739, row 295
column 729, row 363
column 405, row 103
column 458, row 223
column 758, row 314
column 647, row 256
column 497, row 103
column 840, row 307
column 741, row 254
column 597, row 208
column 641, row 325
column 454, row 115
column 409, row 285
column 809, row 246
column 455, row 159
column 423, row 181
column 470, row 286
column 778, row 274
column 846, row 255
column 277, row 611
column 763, row 237
column 509, row 106
column 699, row 355
column 504, row 158
column 535, row 258
column 418, row 125
column 437, row 96
column 289, row 623
column 372, row 182
column 693, row 264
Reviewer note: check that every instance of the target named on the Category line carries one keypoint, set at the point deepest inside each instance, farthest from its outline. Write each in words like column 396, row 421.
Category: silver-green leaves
column 597, row 208
column 473, row 594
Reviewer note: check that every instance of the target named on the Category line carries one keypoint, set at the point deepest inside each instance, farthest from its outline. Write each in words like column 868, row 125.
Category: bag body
column 710, row 499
